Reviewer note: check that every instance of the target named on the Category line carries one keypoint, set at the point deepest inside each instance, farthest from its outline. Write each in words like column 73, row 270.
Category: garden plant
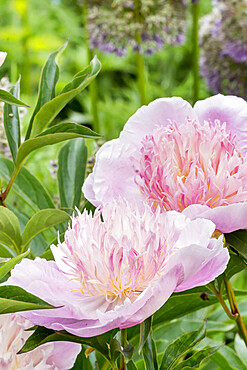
column 123, row 187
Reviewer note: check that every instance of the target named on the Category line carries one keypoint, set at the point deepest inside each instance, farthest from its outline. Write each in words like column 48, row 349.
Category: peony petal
column 64, row 355
column 226, row 218
column 229, row 109
column 113, row 174
column 158, row 113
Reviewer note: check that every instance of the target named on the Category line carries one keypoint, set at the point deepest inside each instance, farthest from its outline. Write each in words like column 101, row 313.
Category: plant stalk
column 93, row 87
column 195, row 43
column 234, row 309
column 123, row 345
column 141, row 78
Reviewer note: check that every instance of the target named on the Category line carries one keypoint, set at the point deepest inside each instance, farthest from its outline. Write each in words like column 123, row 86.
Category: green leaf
column 198, row 356
column 8, row 98
column 14, row 299
column 150, row 354
column 43, row 335
column 72, row 162
column 42, row 221
column 235, row 265
column 51, row 109
column 115, row 350
column 53, row 135
column 180, row 346
column 180, row 304
column 26, row 186
column 11, row 263
column 238, row 241
column 9, row 229
column 128, row 352
column 82, row 363
column 227, row 359
column 240, row 348
column 131, row 366
column 145, row 328
column 48, row 80
column 12, row 123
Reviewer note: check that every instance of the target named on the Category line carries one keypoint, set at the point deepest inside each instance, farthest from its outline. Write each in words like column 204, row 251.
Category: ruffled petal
column 229, row 109
column 226, row 218
column 160, row 112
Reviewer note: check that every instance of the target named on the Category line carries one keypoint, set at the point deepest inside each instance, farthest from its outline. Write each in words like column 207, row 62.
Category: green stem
column 93, row 87
column 221, row 300
column 195, row 42
column 11, row 181
column 123, row 345
column 141, row 79
column 234, row 309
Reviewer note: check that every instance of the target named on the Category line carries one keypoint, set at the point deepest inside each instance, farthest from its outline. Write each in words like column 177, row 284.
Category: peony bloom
column 171, row 155
column 2, row 57
column 50, row 356
column 117, row 272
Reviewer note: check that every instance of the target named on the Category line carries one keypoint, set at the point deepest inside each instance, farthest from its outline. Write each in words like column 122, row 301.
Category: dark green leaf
column 72, row 161
column 131, row 366
column 235, row 265
column 12, row 122
column 14, row 299
column 145, row 328
column 11, row 263
column 180, row 346
column 128, row 352
column 6, row 97
column 47, row 255
column 26, row 186
column 195, row 360
column 43, row 335
column 82, row 363
column 150, row 354
column 180, row 304
column 238, row 241
column 47, row 84
column 9, row 229
column 51, row 109
column 53, row 135
column 42, row 220
column 115, row 350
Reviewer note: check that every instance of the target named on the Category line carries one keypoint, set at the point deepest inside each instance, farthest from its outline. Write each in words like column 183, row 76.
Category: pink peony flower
column 2, row 57
column 58, row 355
column 171, row 155
column 117, row 272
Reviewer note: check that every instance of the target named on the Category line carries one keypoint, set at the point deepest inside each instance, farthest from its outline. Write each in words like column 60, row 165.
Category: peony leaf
column 145, row 329
column 195, row 360
column 26, row 186
column 51, row 109
column 8, row 98
column 238, row 241
column 47, row 84
column 15, row 299
column 12, row 122
column 53, row 135
column 10, row 234
column 72, row 161
column 41, row 221
column 8, row 265
column 180, row 347
column 149, row 353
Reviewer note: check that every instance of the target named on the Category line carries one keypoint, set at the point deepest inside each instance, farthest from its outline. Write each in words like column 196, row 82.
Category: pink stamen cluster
column 191, row 164
column 118, row 257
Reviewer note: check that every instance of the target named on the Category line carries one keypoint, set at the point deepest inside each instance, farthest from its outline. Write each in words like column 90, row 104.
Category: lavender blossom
column 144, row 26
column 224, row 48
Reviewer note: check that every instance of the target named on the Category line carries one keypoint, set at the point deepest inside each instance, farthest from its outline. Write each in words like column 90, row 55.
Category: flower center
column 117, row 258
column 191, row 164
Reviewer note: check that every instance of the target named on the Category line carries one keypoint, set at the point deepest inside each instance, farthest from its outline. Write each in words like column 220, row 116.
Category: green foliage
column 12, row 123
column 14, row 299
column 9, row 264
column 72, row 161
